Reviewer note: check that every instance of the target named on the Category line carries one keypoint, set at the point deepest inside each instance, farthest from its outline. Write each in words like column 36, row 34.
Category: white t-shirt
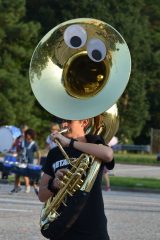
column 50, row 142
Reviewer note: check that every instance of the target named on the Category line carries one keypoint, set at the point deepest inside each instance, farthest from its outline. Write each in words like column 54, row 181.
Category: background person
column 49, row 141
column 10, row 156
column 106, row 178
column 26, row 150
column 92, row 222
column 9, row 137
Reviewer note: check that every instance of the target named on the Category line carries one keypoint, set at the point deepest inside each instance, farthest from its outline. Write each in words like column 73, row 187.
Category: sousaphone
column 79, row 70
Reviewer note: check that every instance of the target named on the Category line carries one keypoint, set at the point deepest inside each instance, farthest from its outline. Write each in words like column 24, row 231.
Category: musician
column 49, row 142
column 26, row 149
column 91, row 223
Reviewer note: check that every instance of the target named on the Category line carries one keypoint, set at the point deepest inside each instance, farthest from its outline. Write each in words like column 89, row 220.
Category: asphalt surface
column 131, row 215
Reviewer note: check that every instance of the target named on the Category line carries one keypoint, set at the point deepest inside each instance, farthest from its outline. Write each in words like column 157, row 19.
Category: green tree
column 152, row 10
column 17, row 36
column 133, row 105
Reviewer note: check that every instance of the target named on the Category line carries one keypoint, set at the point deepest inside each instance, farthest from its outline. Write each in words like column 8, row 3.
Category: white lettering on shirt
column 59, row 164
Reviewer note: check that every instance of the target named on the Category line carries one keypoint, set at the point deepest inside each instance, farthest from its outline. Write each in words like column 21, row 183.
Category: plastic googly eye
column 96, row 50
column 75, row 36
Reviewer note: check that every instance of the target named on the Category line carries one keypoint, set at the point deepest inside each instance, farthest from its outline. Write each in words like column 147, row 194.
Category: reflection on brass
column 88, row 81
column 107, row 122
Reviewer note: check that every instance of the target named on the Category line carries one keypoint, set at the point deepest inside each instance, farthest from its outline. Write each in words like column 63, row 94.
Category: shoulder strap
column 30, row 145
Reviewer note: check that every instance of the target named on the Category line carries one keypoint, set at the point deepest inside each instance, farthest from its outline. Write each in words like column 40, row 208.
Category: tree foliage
column 152, row 11
column 17, row 37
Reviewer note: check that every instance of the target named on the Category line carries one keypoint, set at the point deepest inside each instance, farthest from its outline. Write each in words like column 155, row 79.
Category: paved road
column 136, row 171
column 131, row 216
column 19, row 215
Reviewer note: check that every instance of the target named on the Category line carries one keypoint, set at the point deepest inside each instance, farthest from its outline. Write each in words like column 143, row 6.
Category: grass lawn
column 138, row 183
column 135, row 158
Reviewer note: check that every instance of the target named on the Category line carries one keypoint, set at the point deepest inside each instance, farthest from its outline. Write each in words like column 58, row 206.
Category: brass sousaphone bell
column 80, row 69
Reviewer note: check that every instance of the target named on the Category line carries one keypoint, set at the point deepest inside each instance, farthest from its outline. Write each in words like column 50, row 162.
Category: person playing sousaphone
column 92, row 221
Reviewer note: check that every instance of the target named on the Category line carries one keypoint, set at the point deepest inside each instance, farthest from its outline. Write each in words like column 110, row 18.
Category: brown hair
column 30, row 132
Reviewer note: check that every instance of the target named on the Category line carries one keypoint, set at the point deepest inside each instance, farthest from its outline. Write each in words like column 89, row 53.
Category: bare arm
column 47, row 147
column 44, row 193
column 100, row 151
column 38, row 156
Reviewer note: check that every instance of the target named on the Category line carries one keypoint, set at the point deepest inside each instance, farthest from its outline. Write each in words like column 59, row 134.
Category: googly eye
column 96, row 50
column 75, row 36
